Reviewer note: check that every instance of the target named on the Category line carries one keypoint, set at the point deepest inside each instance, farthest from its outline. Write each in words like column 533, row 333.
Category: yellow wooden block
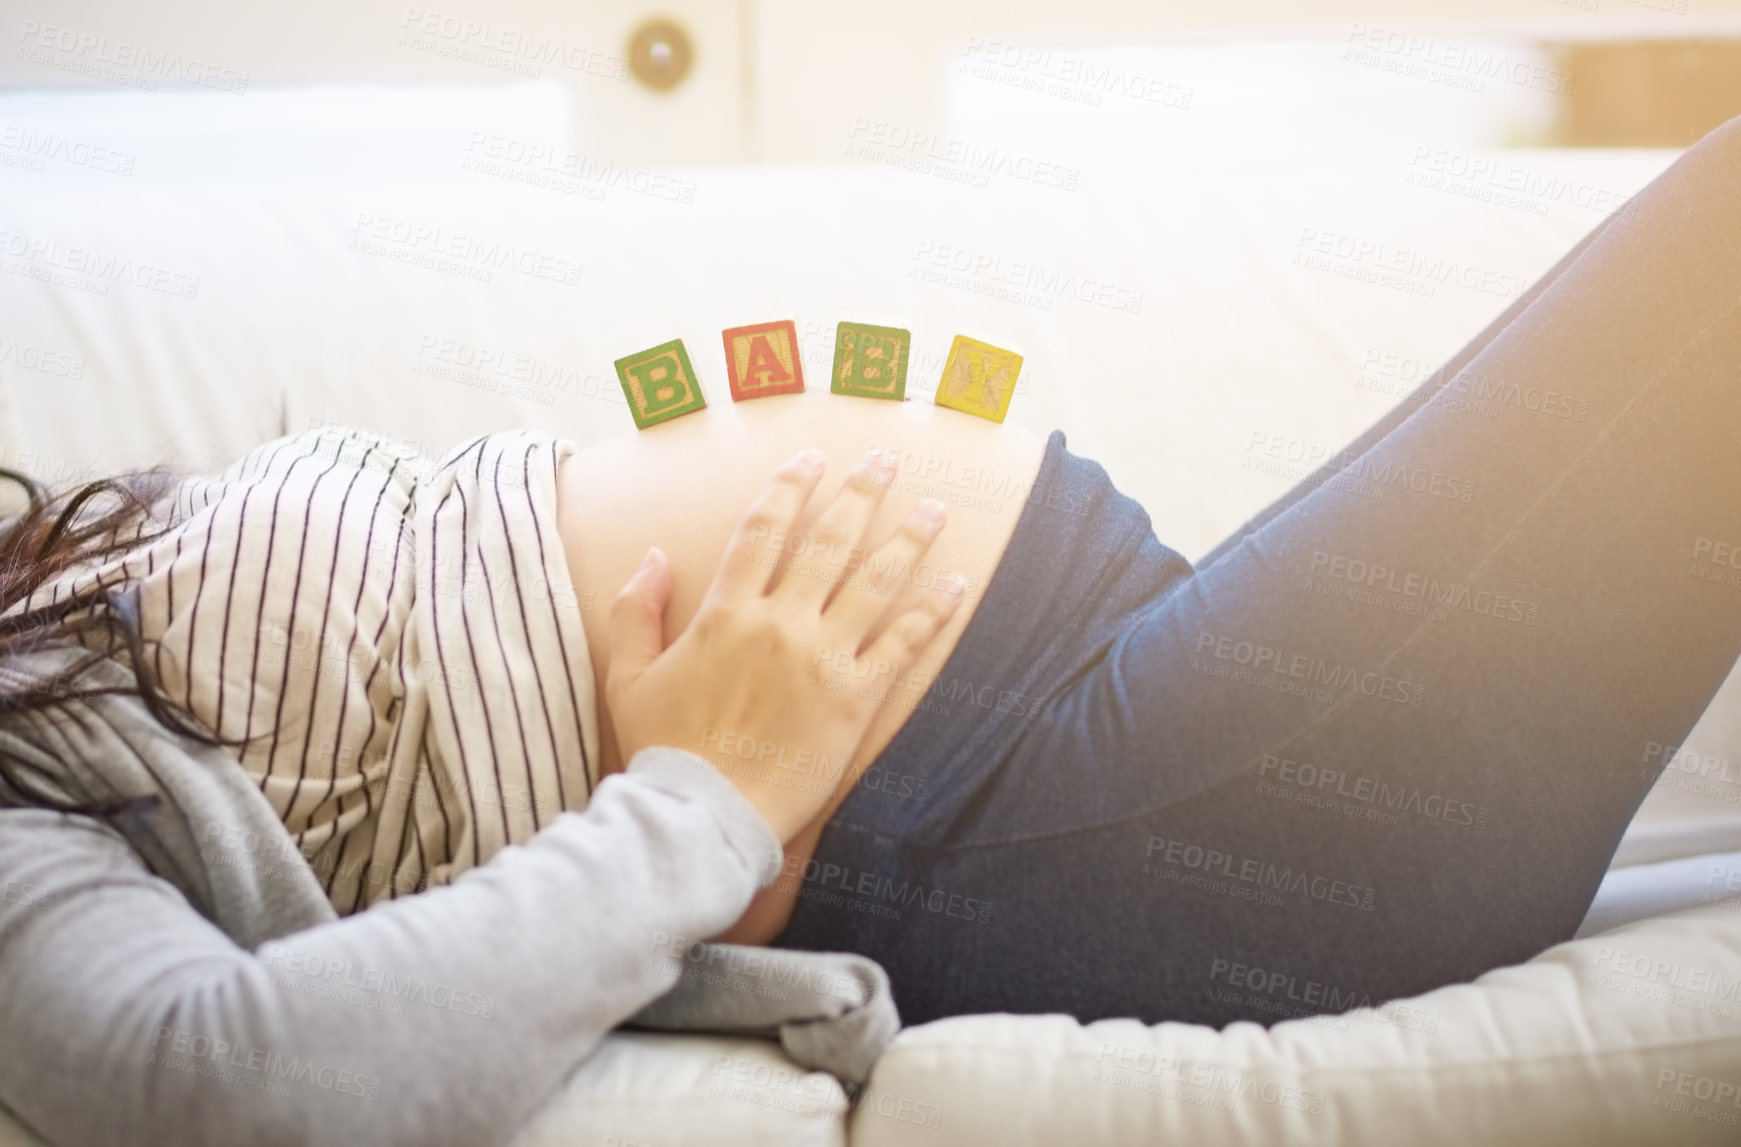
column 978, row 378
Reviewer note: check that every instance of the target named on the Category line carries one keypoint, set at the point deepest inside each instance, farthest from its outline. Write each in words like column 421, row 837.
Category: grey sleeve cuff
column 830, row 1010
column 689, row 775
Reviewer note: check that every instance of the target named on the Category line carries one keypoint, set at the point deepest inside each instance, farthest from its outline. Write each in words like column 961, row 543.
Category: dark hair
column 53, row 534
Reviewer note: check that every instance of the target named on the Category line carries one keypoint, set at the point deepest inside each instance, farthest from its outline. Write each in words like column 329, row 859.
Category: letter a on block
column 659, row 383
column 870, row 361
column 762, row 360
column 978, row 378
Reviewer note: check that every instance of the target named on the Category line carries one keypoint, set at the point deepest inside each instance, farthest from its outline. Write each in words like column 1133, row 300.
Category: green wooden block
column 659, row 383
column 870, row 361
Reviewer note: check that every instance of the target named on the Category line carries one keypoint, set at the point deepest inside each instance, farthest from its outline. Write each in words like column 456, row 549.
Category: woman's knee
column 1722, row 143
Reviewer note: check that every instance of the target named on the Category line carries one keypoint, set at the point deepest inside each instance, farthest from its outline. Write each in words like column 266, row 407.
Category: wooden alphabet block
column 762, row 360
column 978, row 378
column 659, row 383
column 870, row 361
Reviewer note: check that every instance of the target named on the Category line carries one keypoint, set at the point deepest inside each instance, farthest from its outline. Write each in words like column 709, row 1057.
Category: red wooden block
column 762, row 360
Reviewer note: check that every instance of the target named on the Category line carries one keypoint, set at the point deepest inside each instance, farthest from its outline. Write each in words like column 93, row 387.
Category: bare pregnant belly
column 684, row 485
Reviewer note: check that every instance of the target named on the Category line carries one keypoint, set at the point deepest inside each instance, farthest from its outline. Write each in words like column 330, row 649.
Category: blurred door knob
column 660, row 54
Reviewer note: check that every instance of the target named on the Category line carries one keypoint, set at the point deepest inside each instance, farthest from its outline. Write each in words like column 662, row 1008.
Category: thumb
column 638, row 618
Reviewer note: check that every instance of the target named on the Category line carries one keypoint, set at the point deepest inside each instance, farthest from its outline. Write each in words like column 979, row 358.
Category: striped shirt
column 394, row 641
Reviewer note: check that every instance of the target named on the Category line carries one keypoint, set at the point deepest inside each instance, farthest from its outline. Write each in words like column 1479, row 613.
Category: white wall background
column 772, row 79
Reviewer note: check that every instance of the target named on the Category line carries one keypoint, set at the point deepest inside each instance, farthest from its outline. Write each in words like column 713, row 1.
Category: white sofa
column 181, row 313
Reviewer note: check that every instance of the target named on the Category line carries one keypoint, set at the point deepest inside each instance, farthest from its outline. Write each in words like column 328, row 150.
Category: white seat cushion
column 642, row 1089
column 654, row 1090
column 1626, row 1038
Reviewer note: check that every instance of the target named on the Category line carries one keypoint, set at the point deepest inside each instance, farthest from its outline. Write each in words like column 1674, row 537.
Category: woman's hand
column 777, row 687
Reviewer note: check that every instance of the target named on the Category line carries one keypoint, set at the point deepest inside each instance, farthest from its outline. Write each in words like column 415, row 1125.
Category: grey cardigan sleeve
column 445, row 1018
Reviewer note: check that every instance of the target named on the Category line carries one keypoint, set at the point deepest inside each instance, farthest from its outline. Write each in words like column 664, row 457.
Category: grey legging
column 1373, row 744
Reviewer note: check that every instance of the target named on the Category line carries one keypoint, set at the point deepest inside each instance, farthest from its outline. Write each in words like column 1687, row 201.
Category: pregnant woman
column 1383, row 738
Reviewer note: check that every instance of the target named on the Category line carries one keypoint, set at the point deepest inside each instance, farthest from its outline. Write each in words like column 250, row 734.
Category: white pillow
column 642, row 1089
column 1629, row 1037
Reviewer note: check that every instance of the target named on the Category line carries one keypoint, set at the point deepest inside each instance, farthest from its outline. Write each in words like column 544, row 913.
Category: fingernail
column 810, row 459
column 956, row 585
column 930, row 511
column 880, row 461
column 646, row 561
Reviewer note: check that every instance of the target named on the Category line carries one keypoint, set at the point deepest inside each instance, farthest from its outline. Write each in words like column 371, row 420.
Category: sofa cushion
column 657, row 1090
column 650, row 1090
column 1628, row 1037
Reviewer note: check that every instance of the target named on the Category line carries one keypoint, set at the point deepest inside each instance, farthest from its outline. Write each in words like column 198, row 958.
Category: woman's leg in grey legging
column 1389, row 738
column 1497, row 623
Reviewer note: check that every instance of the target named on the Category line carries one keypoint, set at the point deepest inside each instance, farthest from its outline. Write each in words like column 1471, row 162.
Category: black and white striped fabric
column 395, row 641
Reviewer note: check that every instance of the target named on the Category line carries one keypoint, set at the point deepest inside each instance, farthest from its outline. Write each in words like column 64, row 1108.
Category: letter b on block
column 870, row 361
column 659, row 383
